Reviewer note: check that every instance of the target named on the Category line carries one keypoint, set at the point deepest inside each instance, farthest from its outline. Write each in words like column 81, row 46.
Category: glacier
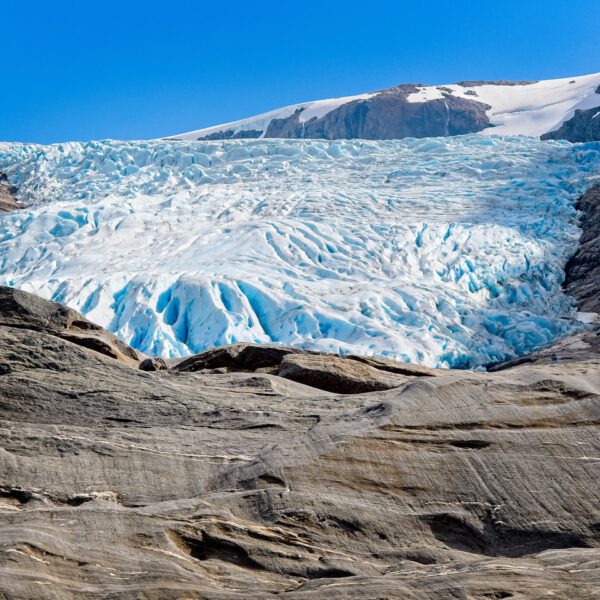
column 443, row 251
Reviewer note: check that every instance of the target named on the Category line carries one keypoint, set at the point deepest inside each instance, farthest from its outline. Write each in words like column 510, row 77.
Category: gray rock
column 179, row 483
column 337, row 374
column 8, row 196
column 154, row 364
column 584, row 126
column 388, row 116
column 22, row 310
column 230, row 134
column 480, row 82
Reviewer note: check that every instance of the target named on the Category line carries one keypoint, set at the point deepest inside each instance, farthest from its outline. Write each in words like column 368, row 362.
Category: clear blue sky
column 94, row 70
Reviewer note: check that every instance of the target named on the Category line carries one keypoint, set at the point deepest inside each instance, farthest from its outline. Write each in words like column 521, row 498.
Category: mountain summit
column 557, row 109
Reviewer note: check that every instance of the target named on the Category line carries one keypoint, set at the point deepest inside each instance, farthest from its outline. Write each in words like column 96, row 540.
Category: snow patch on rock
column 308, row 111
column 530, row 109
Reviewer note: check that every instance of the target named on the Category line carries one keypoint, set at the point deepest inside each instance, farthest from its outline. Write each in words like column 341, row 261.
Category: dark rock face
column 153, row 364
column 582, row 280
column 388, row 116
column 8, row 199
column 584, row 126
column 29, row 312
column 214, row 478
column 480, row 82
column 230, row 134
column 385, row 116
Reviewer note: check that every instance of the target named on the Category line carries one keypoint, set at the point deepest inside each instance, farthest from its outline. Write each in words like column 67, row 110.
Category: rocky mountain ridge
column 554, row 109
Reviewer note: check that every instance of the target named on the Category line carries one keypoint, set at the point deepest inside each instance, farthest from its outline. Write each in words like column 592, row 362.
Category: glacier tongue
column 445, row 252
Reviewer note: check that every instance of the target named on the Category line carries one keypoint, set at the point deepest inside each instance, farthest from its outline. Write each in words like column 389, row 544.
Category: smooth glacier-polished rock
column 121, row 483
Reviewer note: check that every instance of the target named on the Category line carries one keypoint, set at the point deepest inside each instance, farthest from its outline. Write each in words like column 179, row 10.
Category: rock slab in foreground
column 328, row 372
column 22, row 310
column 179, row 483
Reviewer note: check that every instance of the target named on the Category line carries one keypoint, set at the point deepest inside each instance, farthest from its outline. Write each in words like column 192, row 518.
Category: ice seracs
column 445, row 252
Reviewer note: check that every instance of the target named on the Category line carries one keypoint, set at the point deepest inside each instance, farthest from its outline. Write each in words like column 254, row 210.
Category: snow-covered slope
column 530, row 109
column 260, row 123
column 446, row 251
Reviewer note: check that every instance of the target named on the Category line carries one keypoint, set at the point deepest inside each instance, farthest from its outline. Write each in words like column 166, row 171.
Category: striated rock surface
column 216, row 478
column 29, row 312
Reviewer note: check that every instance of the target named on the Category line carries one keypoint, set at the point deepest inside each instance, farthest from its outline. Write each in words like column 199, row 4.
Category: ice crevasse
column 445, row 252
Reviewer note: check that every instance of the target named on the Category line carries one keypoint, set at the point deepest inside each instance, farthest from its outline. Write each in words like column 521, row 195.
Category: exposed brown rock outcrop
column 338, row 374
column 341, row 374
column 22, row 310
column 217, row 479
column 8, row 198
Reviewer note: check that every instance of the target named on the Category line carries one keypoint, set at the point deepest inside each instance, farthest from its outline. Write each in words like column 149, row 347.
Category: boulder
column 23, row 310
column 337, row 374
column 154, row 364
column 583, row 126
